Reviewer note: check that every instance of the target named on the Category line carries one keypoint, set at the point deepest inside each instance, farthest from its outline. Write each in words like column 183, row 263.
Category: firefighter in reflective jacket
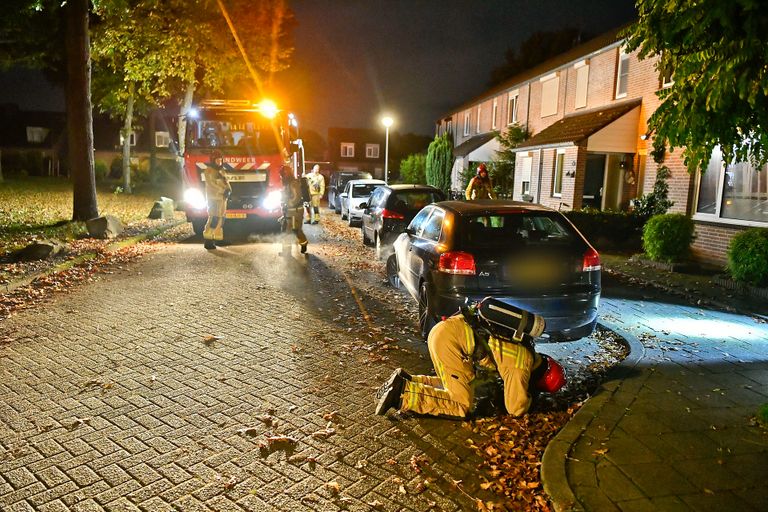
column 293, row 207
column 217, row 191
column 467, row 339
column 316, row 184
column 480, row 187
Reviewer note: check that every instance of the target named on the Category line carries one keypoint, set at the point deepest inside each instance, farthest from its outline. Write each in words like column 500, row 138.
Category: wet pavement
column 242, row 379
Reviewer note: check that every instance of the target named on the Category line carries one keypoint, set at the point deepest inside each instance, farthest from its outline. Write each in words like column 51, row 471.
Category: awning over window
column 472, row 144
column 609, row 130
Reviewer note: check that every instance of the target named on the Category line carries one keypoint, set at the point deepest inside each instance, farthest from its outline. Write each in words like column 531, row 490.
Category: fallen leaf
column 334, row 487
column 210, row 338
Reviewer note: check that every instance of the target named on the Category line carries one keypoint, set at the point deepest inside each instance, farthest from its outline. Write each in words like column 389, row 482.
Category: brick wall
column 711, row 242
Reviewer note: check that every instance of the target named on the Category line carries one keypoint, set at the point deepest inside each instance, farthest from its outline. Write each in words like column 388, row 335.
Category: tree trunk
column 79, row 115
column 127, row 130
column 188, row 95
column 153, row 178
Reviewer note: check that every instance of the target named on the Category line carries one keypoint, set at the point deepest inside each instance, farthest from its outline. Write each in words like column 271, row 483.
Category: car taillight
column 591, row 260
column 457, row 262
column 390, row 214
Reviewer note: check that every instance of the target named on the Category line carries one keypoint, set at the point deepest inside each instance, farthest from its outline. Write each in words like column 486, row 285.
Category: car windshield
column 363, row 189
column 414, row 199
column 503, row 229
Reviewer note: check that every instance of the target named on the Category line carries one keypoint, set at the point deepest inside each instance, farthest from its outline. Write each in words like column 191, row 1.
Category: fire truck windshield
column 248, row 135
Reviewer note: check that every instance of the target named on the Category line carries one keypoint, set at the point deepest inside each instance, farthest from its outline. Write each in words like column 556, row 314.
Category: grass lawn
column 42, row 208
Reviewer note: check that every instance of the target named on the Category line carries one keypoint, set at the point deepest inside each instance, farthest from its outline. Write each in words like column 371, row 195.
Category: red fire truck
column 255, row 142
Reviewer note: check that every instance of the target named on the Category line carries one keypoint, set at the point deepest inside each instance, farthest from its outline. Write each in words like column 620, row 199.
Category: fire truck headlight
column 273, row 200
column 195, row 198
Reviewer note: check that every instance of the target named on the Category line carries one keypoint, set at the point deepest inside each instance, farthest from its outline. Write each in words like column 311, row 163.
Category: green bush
column 748, row 256
column 668, row 237
column 762, row 415
column 656, row 202
column 413, row 169
column 101, row 170
column 608, row 230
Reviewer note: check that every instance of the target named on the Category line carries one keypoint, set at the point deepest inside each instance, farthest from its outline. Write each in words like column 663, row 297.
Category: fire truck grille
column 248, row 190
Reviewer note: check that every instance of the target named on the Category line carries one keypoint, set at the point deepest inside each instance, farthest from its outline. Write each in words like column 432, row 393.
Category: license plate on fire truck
column 236, row 215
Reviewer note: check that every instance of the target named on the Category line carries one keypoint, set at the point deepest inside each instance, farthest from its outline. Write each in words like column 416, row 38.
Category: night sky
column 415, row 59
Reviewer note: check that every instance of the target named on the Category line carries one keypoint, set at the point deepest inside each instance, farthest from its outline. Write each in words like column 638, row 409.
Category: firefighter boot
column 389, row 394
column 316, row 216
column 303, row 247
column 209, row 244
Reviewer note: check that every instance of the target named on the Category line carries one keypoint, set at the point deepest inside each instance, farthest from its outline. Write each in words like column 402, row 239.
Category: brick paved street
column 110, row 398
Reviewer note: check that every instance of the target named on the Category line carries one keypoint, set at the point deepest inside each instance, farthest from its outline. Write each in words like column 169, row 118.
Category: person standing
column 480, row 187
column 316, row 183
column 492, row 335
column 217, row 191
column 293, row 210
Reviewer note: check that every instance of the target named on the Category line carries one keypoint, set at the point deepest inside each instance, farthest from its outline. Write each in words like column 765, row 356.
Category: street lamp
column 387, row 122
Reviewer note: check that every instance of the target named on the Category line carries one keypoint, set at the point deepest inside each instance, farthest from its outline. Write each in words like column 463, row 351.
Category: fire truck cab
column 254, row 151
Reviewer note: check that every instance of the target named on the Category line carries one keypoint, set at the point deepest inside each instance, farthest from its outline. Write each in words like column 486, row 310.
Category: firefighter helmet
column 549, row 376
column 482, row 168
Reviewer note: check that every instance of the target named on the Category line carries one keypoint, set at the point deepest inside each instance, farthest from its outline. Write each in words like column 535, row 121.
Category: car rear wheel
column 392, row 278
column 350, row 221
column 426, row 316
column 366, row 240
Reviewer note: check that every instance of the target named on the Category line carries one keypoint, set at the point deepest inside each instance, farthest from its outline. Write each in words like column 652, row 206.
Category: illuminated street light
column 387, row 122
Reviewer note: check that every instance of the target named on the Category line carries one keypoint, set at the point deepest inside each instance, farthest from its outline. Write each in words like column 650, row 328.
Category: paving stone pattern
column 110, row 399
column 671, row 430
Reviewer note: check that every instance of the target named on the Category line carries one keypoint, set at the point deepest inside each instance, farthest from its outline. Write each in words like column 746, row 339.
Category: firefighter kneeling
column 490, row 334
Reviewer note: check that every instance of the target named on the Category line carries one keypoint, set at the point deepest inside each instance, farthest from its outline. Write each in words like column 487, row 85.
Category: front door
column 593, row 181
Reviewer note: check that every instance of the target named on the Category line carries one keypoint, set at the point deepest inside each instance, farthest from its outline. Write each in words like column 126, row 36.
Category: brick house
column 357, row 149
column 32, row 141
column 587, row 112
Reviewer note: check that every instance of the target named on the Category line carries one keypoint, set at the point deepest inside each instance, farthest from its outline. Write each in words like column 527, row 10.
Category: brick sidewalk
column 111, row 400
column 671, row 430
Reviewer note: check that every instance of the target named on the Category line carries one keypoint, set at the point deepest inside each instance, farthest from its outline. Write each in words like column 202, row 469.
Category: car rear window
column 413, row 199
column 364, row 189
column 532, row 228
column 344, row 177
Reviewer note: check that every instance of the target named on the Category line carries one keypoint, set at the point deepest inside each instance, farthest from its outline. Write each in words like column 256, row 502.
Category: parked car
column 336, row 183
column 390, row 209
column 356, row 193
column 525, row 254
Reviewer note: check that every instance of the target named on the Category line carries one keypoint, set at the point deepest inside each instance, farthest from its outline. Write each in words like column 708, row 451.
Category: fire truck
column 254, row 140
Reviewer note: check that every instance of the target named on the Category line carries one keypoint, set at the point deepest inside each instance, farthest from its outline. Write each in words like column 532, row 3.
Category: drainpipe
column 541, row 168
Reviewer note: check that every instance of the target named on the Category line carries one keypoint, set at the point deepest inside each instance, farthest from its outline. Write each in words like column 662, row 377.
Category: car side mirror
column 343, row 194
column 409, row 231
column 363, row 206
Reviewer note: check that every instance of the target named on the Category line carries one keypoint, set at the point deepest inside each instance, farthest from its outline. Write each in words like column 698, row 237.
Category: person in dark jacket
column 293, row 209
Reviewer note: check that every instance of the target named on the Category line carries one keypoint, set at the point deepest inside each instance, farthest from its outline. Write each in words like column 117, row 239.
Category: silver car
column 356, row 193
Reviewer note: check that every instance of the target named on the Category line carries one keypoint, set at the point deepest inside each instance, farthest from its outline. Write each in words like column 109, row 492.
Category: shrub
column 762, row 415
column 101, row 170
column 608, row 230
column 439, row 163
column 668, row 237
column 748, row 256
column 656, row 202
column 413, row 169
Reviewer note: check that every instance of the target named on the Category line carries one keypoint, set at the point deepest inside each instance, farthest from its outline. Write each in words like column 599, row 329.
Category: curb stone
column 14, row 285
column 553, row 472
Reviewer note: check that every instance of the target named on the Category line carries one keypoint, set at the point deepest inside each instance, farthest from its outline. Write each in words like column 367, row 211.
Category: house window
column 477, row 127
column 131, row 139
column 347, row 149
column 466, row 123
column 494, row 112
column 371, row 151
column 557, row 179
column 582, row 80
column 622, row 75
column 512, row 108
column 526, row 175
column 36, row 134
column 549, row 88
column 162, row 139
column 666, row 72
column 737, row 192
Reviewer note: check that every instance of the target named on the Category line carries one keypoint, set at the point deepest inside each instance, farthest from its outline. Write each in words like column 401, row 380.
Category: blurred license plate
column 236, row 215
column 534, row 272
